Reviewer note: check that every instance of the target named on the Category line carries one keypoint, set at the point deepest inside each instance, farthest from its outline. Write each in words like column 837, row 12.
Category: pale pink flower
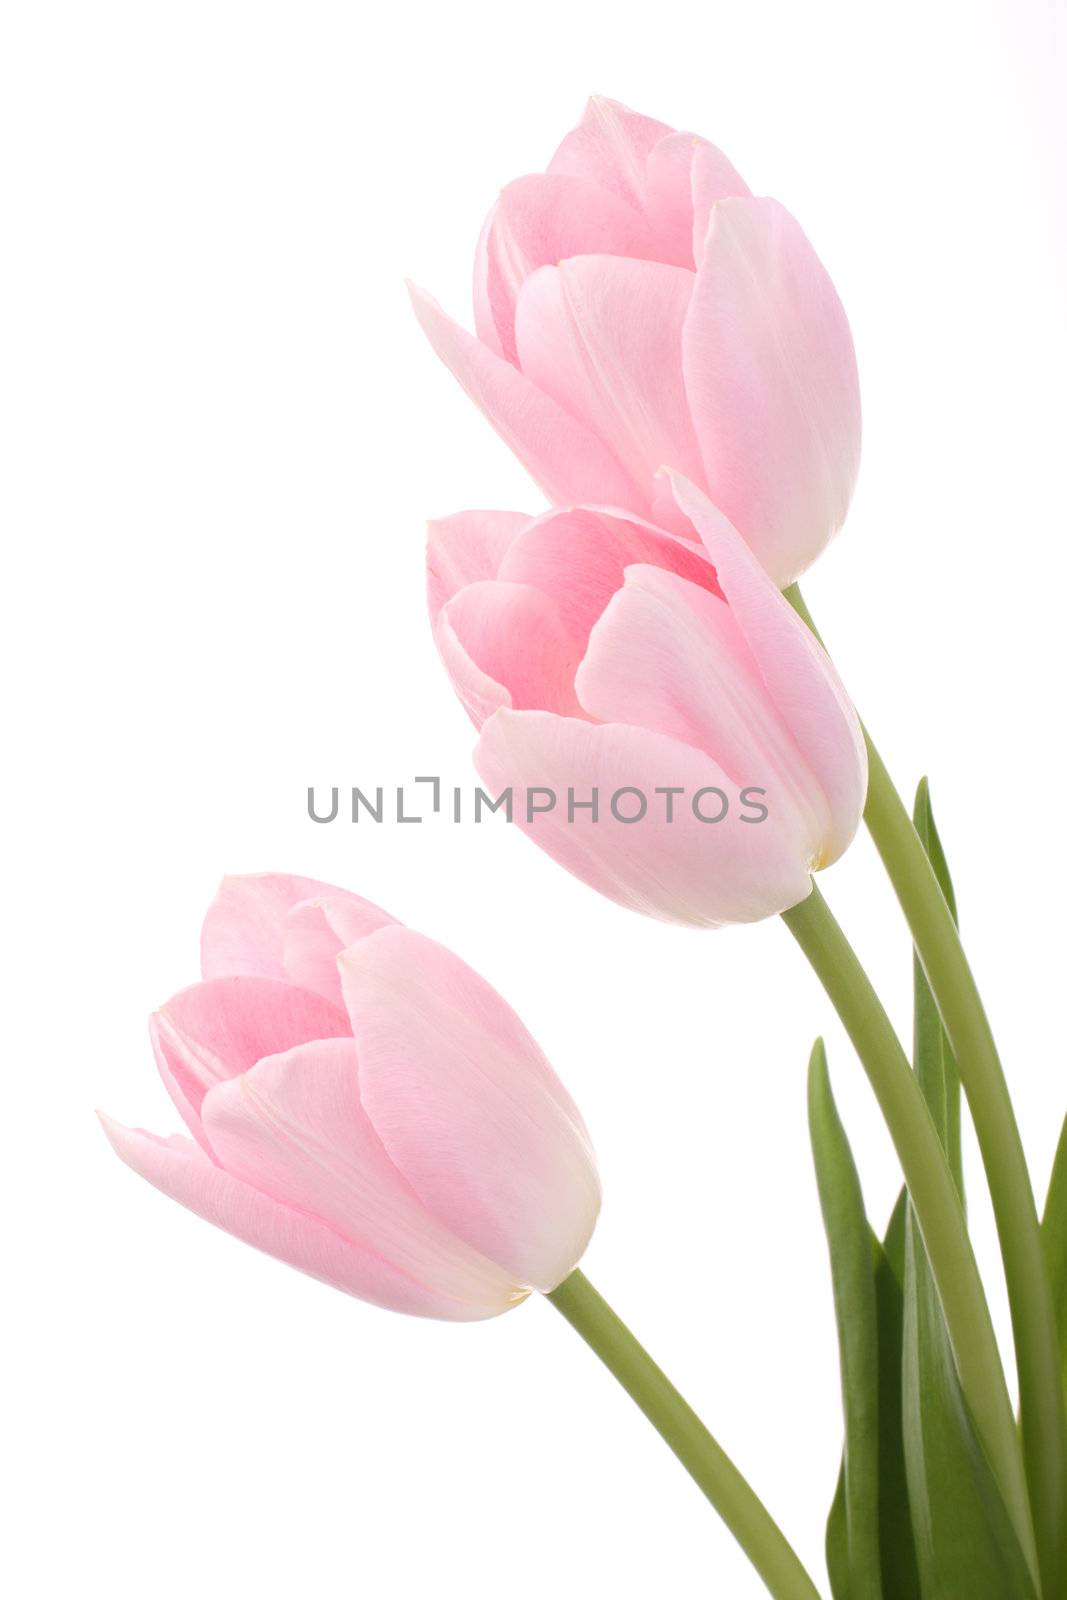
column 604, row 657
column 636, row 308
column 366, row 1108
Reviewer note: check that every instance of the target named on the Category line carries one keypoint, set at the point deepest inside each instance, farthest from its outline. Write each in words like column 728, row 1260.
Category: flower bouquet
column 667, row 356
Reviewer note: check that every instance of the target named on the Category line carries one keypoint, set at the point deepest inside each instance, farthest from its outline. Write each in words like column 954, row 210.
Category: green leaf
column 935, row 1063
column 1054, row 1237
column 896, row 1547
column 893, row 1244
column 900, row 1571
column 837, row 1542
column 852, row 1541
column 926, row 828
column 964, row 1540
column 965, row 1543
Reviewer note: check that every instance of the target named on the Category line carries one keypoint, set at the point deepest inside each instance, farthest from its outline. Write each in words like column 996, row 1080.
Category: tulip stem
column 1043, row 1417
column 933, row 1194
column 678, row 1424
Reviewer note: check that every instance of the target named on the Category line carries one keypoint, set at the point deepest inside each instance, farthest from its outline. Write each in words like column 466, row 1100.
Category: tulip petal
column 610, row 147
column 579, row 557
column 466, row 548
column 316, row 931
column 180, row 1169
column 272, row 925
column 703, row 873
column 243, row 929
column 468, row 1108
column 665, row 513
column 603, row 337
column 214, row 1030
column 771, row 377
column 668, row 656
column 685, row 177
column 538, row 221
column 484, row 313
column 800, row 678
column 504, row 644
column 563, row 457
column 712, row 178
column 479, row 693
column 294, row 1129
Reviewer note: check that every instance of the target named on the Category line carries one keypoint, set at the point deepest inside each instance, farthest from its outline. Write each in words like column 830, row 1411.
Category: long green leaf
column 852, row 1549
column 934, row 1060
column 900, row 1571
column 837, row 1556
column 893, row 1245
column 896, row 1541
column 1054, row 1235
column 965, row 1543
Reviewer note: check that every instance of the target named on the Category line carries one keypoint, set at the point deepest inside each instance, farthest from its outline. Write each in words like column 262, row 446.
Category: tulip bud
column 699, row 750
column 636, row 307
column 366, row 1108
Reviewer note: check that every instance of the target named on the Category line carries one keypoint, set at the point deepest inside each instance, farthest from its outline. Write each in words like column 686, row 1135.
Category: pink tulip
column 604, row 657
column 366, row 1108
column 636, row 307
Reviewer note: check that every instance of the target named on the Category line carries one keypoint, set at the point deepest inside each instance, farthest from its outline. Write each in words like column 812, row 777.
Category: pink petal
column 798, row 674
column 563, row 457
column 294, row 1129
column 668, row 656
column 504, row 644
column 465, row 548
column 685, row 177
column 468, row 1108
column 483, row 293
column 712, row 178
column 579, row 556
column 609, row 147
column 479, row 693
column 603, row 336
column 316, row 931
column 665, row 513
column 181, row 1170
column 214, row 1030
column 538, row 221
column 701, row 873
column 243, row 929
column 276, row 926
column 771, row 377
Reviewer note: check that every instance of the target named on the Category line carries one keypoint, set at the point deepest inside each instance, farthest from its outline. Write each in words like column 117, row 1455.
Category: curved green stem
column 714, row 1473
column 1042, row 1414
column 933, row 1194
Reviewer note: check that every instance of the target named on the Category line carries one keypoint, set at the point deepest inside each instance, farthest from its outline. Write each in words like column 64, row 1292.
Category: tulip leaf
column 894, row 1243
column 1054, row 1235
column 837, row 1559
column 935, row 1063
column 852, row 1549
column 900, row 1573
column 964, row 1540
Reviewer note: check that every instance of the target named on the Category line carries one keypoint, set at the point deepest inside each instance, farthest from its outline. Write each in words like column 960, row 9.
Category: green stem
column 714, row 1473
column 1042, row 1415
column 933, row 1194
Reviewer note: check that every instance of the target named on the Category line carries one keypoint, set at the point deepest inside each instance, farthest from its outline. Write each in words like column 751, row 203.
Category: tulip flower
column 366, row 1108
column 673, row 733
column 636, row 307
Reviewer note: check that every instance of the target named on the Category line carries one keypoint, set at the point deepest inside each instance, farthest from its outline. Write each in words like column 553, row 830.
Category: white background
column 223, row 433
